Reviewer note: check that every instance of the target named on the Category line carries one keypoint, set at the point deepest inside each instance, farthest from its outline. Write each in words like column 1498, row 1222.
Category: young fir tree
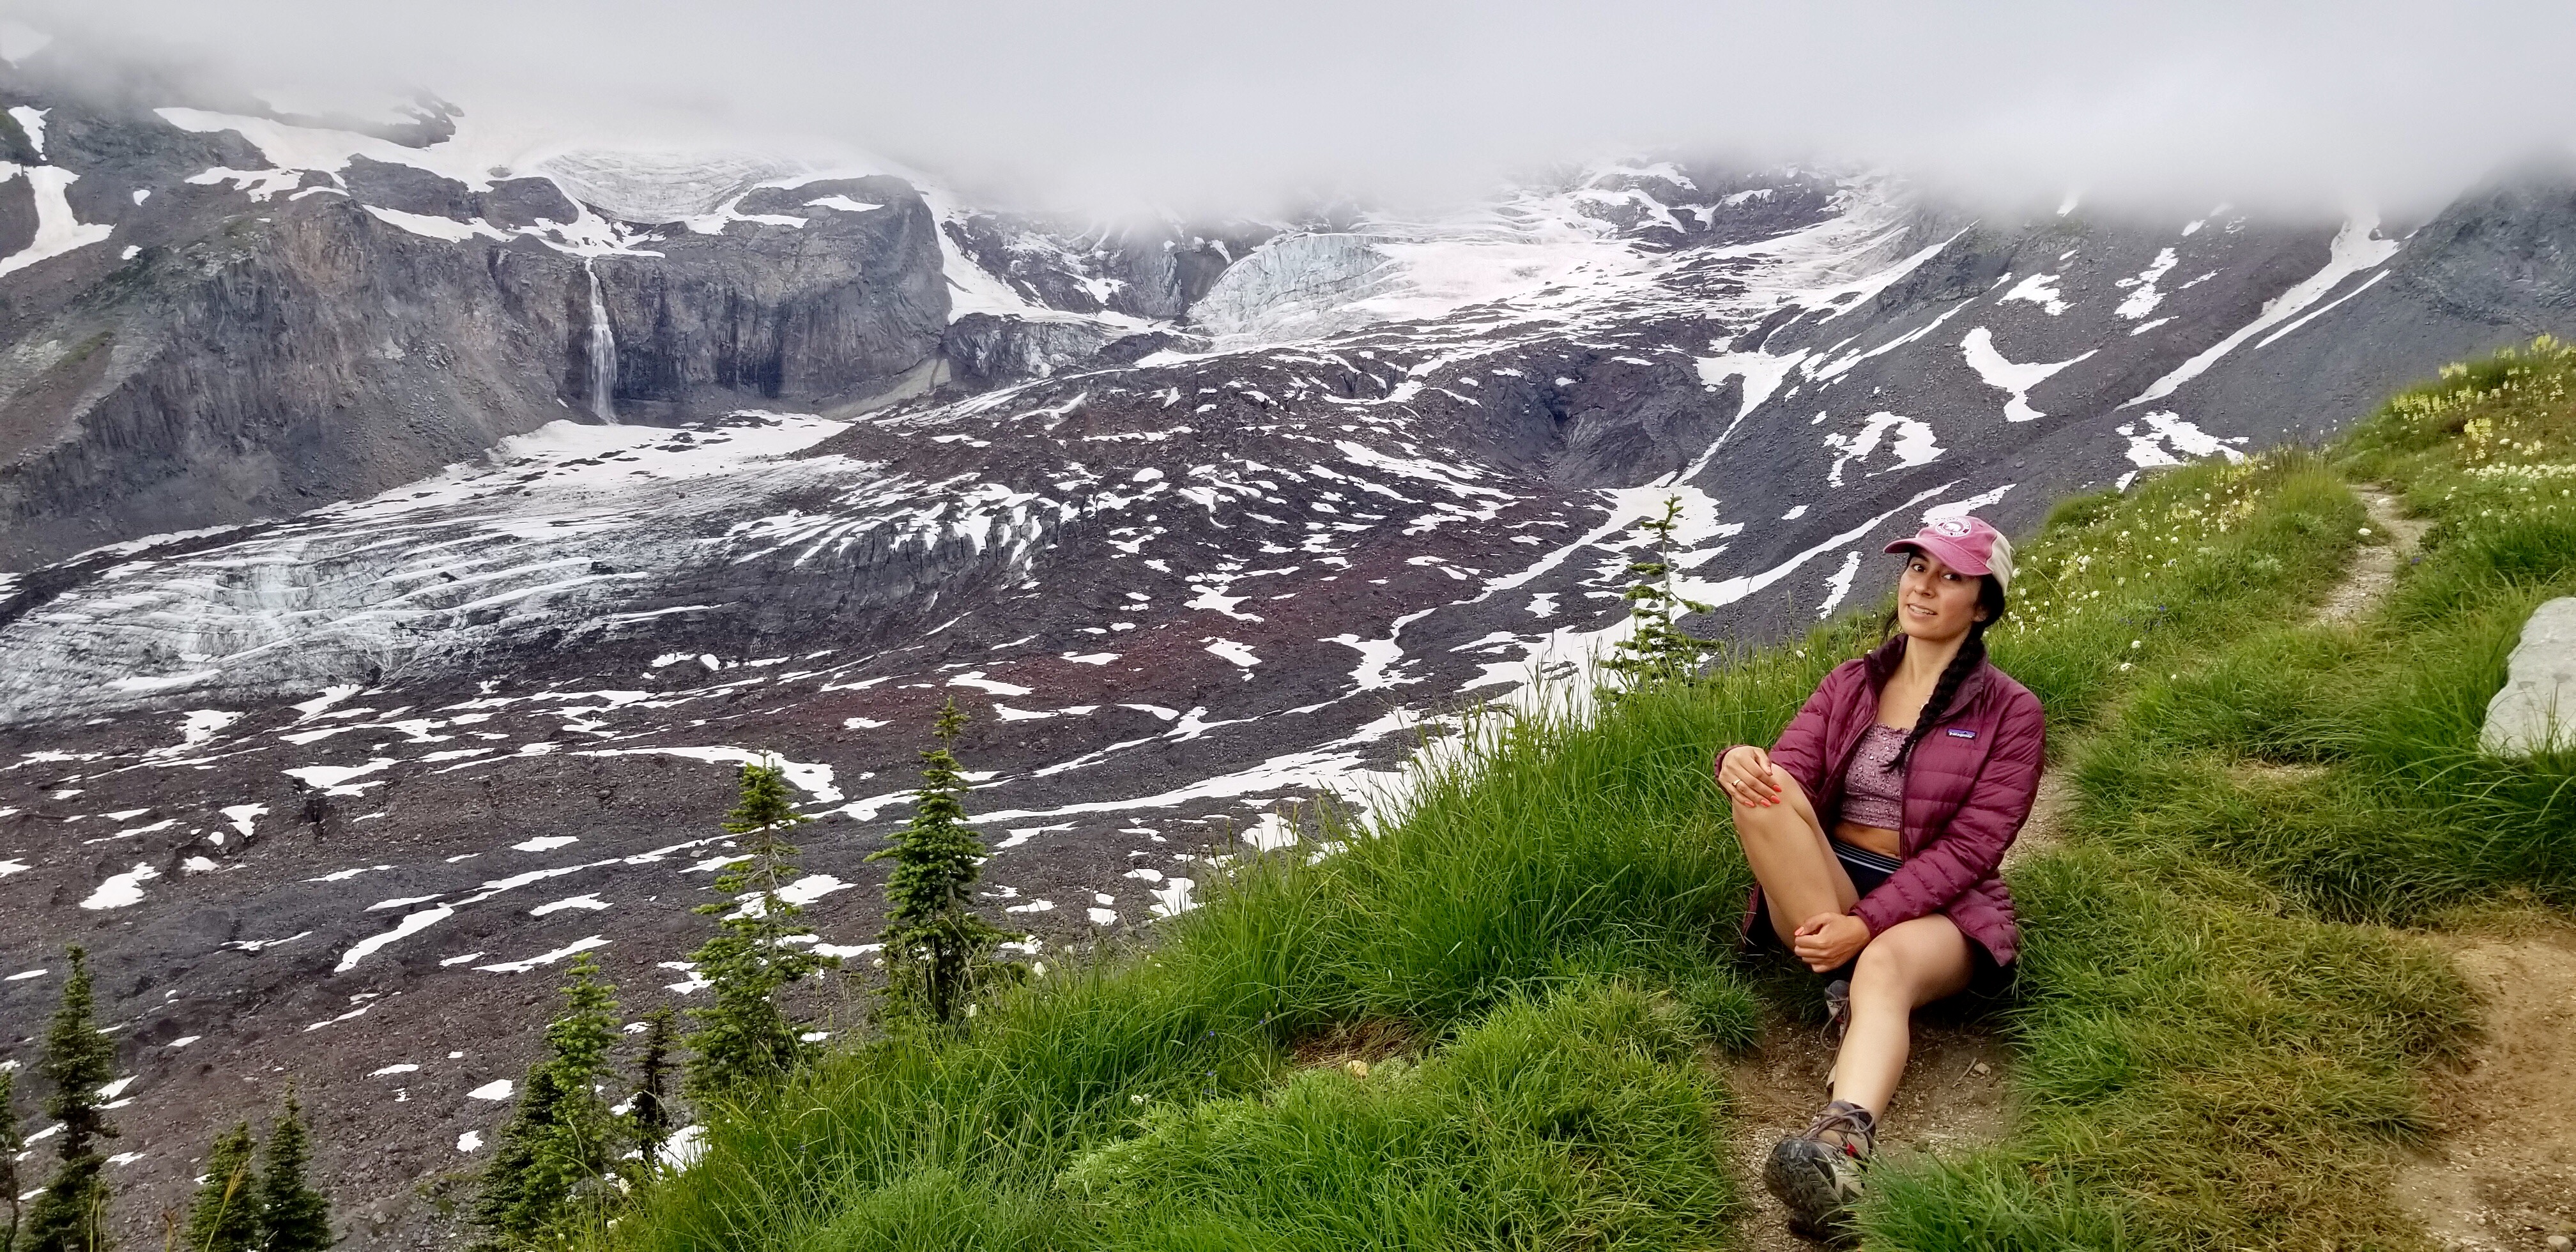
column 71, row 1214
column 1658, row 649
column 650, row 1114
column 225, row 1215
column 561, row 1141
column 11, row 1143
column 744, row 1042
column 934, row 941
column 293, row 1217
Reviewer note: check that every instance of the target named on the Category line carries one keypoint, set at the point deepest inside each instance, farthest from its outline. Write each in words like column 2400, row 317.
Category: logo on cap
column 1951, row 526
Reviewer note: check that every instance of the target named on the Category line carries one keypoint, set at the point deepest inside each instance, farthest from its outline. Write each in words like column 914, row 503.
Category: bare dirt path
column 2374, row 572
column 1953, row 1099
column 2503, row 1174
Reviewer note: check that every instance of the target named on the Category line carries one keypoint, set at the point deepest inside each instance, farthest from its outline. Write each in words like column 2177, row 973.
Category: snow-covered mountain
column 408, row 532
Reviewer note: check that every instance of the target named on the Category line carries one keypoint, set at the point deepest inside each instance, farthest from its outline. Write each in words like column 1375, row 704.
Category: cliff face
column 246, row 340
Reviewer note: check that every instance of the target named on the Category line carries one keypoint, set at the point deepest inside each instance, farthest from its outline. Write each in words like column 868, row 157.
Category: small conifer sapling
column 743, row 1041
column 561, row 1140
column 650, row 1114
column 71, row 1213
column 293, row 1217
column 11, row 1143
column 225, row 1216
column 935, row 944
column 1657, row 649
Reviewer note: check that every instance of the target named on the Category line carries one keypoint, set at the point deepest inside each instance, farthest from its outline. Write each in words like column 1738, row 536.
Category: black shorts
column 1867, row 870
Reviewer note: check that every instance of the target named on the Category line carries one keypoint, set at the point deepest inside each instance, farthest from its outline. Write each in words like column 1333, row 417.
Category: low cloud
column 1236, row 108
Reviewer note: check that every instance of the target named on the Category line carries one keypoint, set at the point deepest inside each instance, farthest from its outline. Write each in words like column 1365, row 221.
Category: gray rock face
column 251, row 344
column 2536, row 710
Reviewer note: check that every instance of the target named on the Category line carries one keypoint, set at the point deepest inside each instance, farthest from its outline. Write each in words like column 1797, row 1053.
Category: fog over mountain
column 1229, row 108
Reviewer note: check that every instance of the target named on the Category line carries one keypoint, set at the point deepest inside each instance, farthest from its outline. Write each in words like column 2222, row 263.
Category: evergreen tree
column 561, row 1140
column 934, row 942
column 744, row 1041
column 1657, row 649
column 71, row 1214
column 293, row 1217
column 226, row 1214
column 11, row 1143
column 650, row 1114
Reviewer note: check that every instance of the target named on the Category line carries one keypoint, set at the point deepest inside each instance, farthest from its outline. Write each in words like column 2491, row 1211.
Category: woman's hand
column 1828, row 940
column 1747, row 776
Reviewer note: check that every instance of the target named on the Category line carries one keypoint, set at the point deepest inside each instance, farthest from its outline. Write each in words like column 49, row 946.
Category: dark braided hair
column 1972, row 653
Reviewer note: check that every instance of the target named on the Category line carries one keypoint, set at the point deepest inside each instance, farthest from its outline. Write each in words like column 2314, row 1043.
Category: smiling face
column 1935, row 603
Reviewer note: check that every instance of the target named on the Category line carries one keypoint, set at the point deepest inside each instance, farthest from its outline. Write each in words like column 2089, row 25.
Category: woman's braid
column 1971, row 654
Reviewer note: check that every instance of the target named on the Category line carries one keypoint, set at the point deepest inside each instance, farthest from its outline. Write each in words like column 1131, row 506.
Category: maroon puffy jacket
column 1968, row 789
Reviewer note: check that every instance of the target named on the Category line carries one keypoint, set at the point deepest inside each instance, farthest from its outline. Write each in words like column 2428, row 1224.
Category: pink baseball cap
column 1966, row 544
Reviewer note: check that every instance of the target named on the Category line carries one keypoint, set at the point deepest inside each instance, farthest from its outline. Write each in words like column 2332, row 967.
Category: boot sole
column 1800, row 1175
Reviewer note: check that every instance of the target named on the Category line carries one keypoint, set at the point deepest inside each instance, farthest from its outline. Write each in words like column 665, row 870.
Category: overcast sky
column 1211, row 105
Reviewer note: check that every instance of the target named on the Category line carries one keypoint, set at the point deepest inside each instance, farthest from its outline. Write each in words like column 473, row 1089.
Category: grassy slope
column 2219, row 1048
column 2222, row 1037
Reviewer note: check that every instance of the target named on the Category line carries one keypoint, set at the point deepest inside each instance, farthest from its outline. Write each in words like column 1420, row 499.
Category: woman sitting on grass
column 1874, row 828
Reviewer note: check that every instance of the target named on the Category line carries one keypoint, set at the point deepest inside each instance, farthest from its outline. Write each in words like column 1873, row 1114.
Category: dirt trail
column 2503, row 1174
column 1953, row 1099
column 2374, row 572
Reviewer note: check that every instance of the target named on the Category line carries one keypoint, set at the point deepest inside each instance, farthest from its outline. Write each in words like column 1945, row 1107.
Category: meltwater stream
column 603, row 353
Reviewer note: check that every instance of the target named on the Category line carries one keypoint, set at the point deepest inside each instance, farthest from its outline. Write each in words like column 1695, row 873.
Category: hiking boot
column 1837, row 1009
column 1817, row 1174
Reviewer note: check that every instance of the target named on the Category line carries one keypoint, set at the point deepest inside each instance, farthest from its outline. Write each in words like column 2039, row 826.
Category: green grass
column 2391, row 812
column 2221, row 1043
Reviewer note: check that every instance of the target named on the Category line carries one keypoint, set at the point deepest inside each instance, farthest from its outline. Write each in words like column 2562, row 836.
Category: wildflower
column 2135, row 644
column 2125, row 667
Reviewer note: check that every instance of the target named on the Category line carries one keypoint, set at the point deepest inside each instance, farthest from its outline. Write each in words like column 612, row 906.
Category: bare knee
column 1914, row 962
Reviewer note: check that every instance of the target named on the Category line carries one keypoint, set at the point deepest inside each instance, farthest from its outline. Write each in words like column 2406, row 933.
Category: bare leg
column 1913, row 964
column 1785, row 845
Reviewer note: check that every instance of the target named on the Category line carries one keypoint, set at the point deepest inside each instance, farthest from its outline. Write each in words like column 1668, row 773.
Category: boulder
column 2537, row 708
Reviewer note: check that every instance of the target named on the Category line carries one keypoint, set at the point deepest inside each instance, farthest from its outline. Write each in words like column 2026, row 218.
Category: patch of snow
column 584, row 901
column 2039, row 289
column 334, row 780
column 58, row 231
column 2356, row 247
column 240, row 816
column 977, row 680
column 2164, row 438
column 685, row 1146
column 122, row 890
column 1912, row 443
column 411, row 924
column 1839, row 585
column 545, row 843
column 2017, row 379
column 811, row 778
column 2145, row 297
column 1229, row 650
column 576, row 947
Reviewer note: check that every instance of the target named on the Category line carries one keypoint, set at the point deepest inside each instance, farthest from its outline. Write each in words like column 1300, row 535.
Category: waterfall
column 603, row 354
